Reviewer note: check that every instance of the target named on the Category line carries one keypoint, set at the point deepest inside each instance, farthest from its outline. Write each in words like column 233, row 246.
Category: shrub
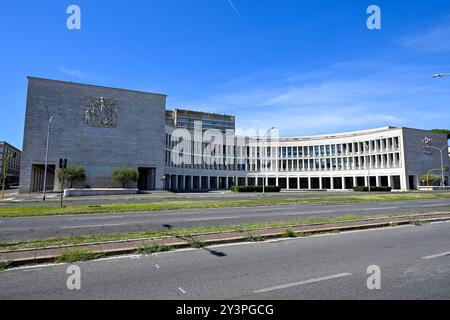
column 125, row 176
column 250, row 189
column 289, row 233
column 197, row 244
column 253, row 237
column 374, row 189
column 72, row 174
column 433, row 179
column 5, row 265
column 78, row 255
column 153, row 248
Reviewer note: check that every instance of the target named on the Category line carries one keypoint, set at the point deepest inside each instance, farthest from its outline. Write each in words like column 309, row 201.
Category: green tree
column 125, row 175
column 71, row 174
column 447, row 131
column 434, row 179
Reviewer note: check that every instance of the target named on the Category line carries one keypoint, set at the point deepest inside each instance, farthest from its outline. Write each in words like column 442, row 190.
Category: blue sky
column 306, row 67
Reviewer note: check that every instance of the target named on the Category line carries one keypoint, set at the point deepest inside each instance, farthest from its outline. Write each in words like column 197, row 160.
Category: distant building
column 186, row 119
column 9, row 160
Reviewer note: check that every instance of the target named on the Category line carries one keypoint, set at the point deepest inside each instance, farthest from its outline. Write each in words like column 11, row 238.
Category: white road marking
column 157, row 267
column 316, row 212
column 379, row 208
column 296, row 284
column 439, row 255
column 435, row 205
column 95, row 226
column 96, row 218
column 116, row 258
column 40, row 266
column 206, row 219
column 182, row 291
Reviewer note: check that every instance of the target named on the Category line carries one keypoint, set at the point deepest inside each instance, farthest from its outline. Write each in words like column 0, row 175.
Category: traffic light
column 63, row 163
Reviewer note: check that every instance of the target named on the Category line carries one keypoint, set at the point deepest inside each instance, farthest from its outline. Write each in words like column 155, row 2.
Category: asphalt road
column 414, row 263
column 54, row 200
column 21, row 229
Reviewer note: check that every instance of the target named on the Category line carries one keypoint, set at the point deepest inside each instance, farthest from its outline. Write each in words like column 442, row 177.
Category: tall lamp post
column 427, row 144
column 265, row 160
column 441, row 75
column 46, row 159
column 442, row 164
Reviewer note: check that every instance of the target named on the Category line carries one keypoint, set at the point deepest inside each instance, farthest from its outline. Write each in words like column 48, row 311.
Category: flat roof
column 10, row 146
column 342, row 134
column 200, row 113
column 92, row 85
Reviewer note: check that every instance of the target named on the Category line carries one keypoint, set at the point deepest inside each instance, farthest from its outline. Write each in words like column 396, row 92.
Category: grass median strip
column 182, row 232
column 187, row 232
column 31, row 211
column 77, row 255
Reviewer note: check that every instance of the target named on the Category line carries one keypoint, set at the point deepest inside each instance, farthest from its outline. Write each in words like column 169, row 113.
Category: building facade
column 96, row 127
column 9, row 164
column 102, row 128
column 179, row 118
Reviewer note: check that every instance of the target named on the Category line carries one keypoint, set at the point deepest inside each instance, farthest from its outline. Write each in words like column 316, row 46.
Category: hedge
column 374, row 189
column 249, row 189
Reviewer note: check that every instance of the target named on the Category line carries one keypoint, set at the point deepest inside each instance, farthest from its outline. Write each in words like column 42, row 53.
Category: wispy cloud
column 352, row 96
column 230, row 2
column 82, row 75
column 433, row 40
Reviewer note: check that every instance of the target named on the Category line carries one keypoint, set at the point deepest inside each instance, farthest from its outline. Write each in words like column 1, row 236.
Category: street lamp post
column 442, row 163
column 441, row 75
column 265, row 161
column 46, row 159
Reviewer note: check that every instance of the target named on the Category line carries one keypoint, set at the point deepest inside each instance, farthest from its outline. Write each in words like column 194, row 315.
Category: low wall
column 98, row 192
column 432, row 188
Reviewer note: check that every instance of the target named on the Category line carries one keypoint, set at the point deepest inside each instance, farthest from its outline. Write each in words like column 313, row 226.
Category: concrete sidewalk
column 29, row 256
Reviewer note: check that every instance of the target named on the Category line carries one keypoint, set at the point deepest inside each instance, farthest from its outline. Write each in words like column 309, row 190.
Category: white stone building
column 102, row 128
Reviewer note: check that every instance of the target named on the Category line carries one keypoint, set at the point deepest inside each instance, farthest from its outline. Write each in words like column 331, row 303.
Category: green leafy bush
column 254, row 237
column 125, row 176
column 153, row 248
column 250, row 189
column 373, row 189
column 197, row 244
column 289, row 233
column 77, row 255
column 72, row 174
column 433, row 179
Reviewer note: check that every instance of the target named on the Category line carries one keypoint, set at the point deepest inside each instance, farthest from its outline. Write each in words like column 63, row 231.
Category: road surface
column 414, row 263
column 21, row 229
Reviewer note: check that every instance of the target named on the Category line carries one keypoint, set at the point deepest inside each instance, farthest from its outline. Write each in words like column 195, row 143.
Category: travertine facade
column 104, row 128
column 137, row 140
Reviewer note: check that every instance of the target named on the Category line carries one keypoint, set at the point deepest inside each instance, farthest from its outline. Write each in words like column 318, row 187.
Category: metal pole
column 442, row 164
column 265, row 162
column 46, row 159
column 442, row 167
column 368, row 166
